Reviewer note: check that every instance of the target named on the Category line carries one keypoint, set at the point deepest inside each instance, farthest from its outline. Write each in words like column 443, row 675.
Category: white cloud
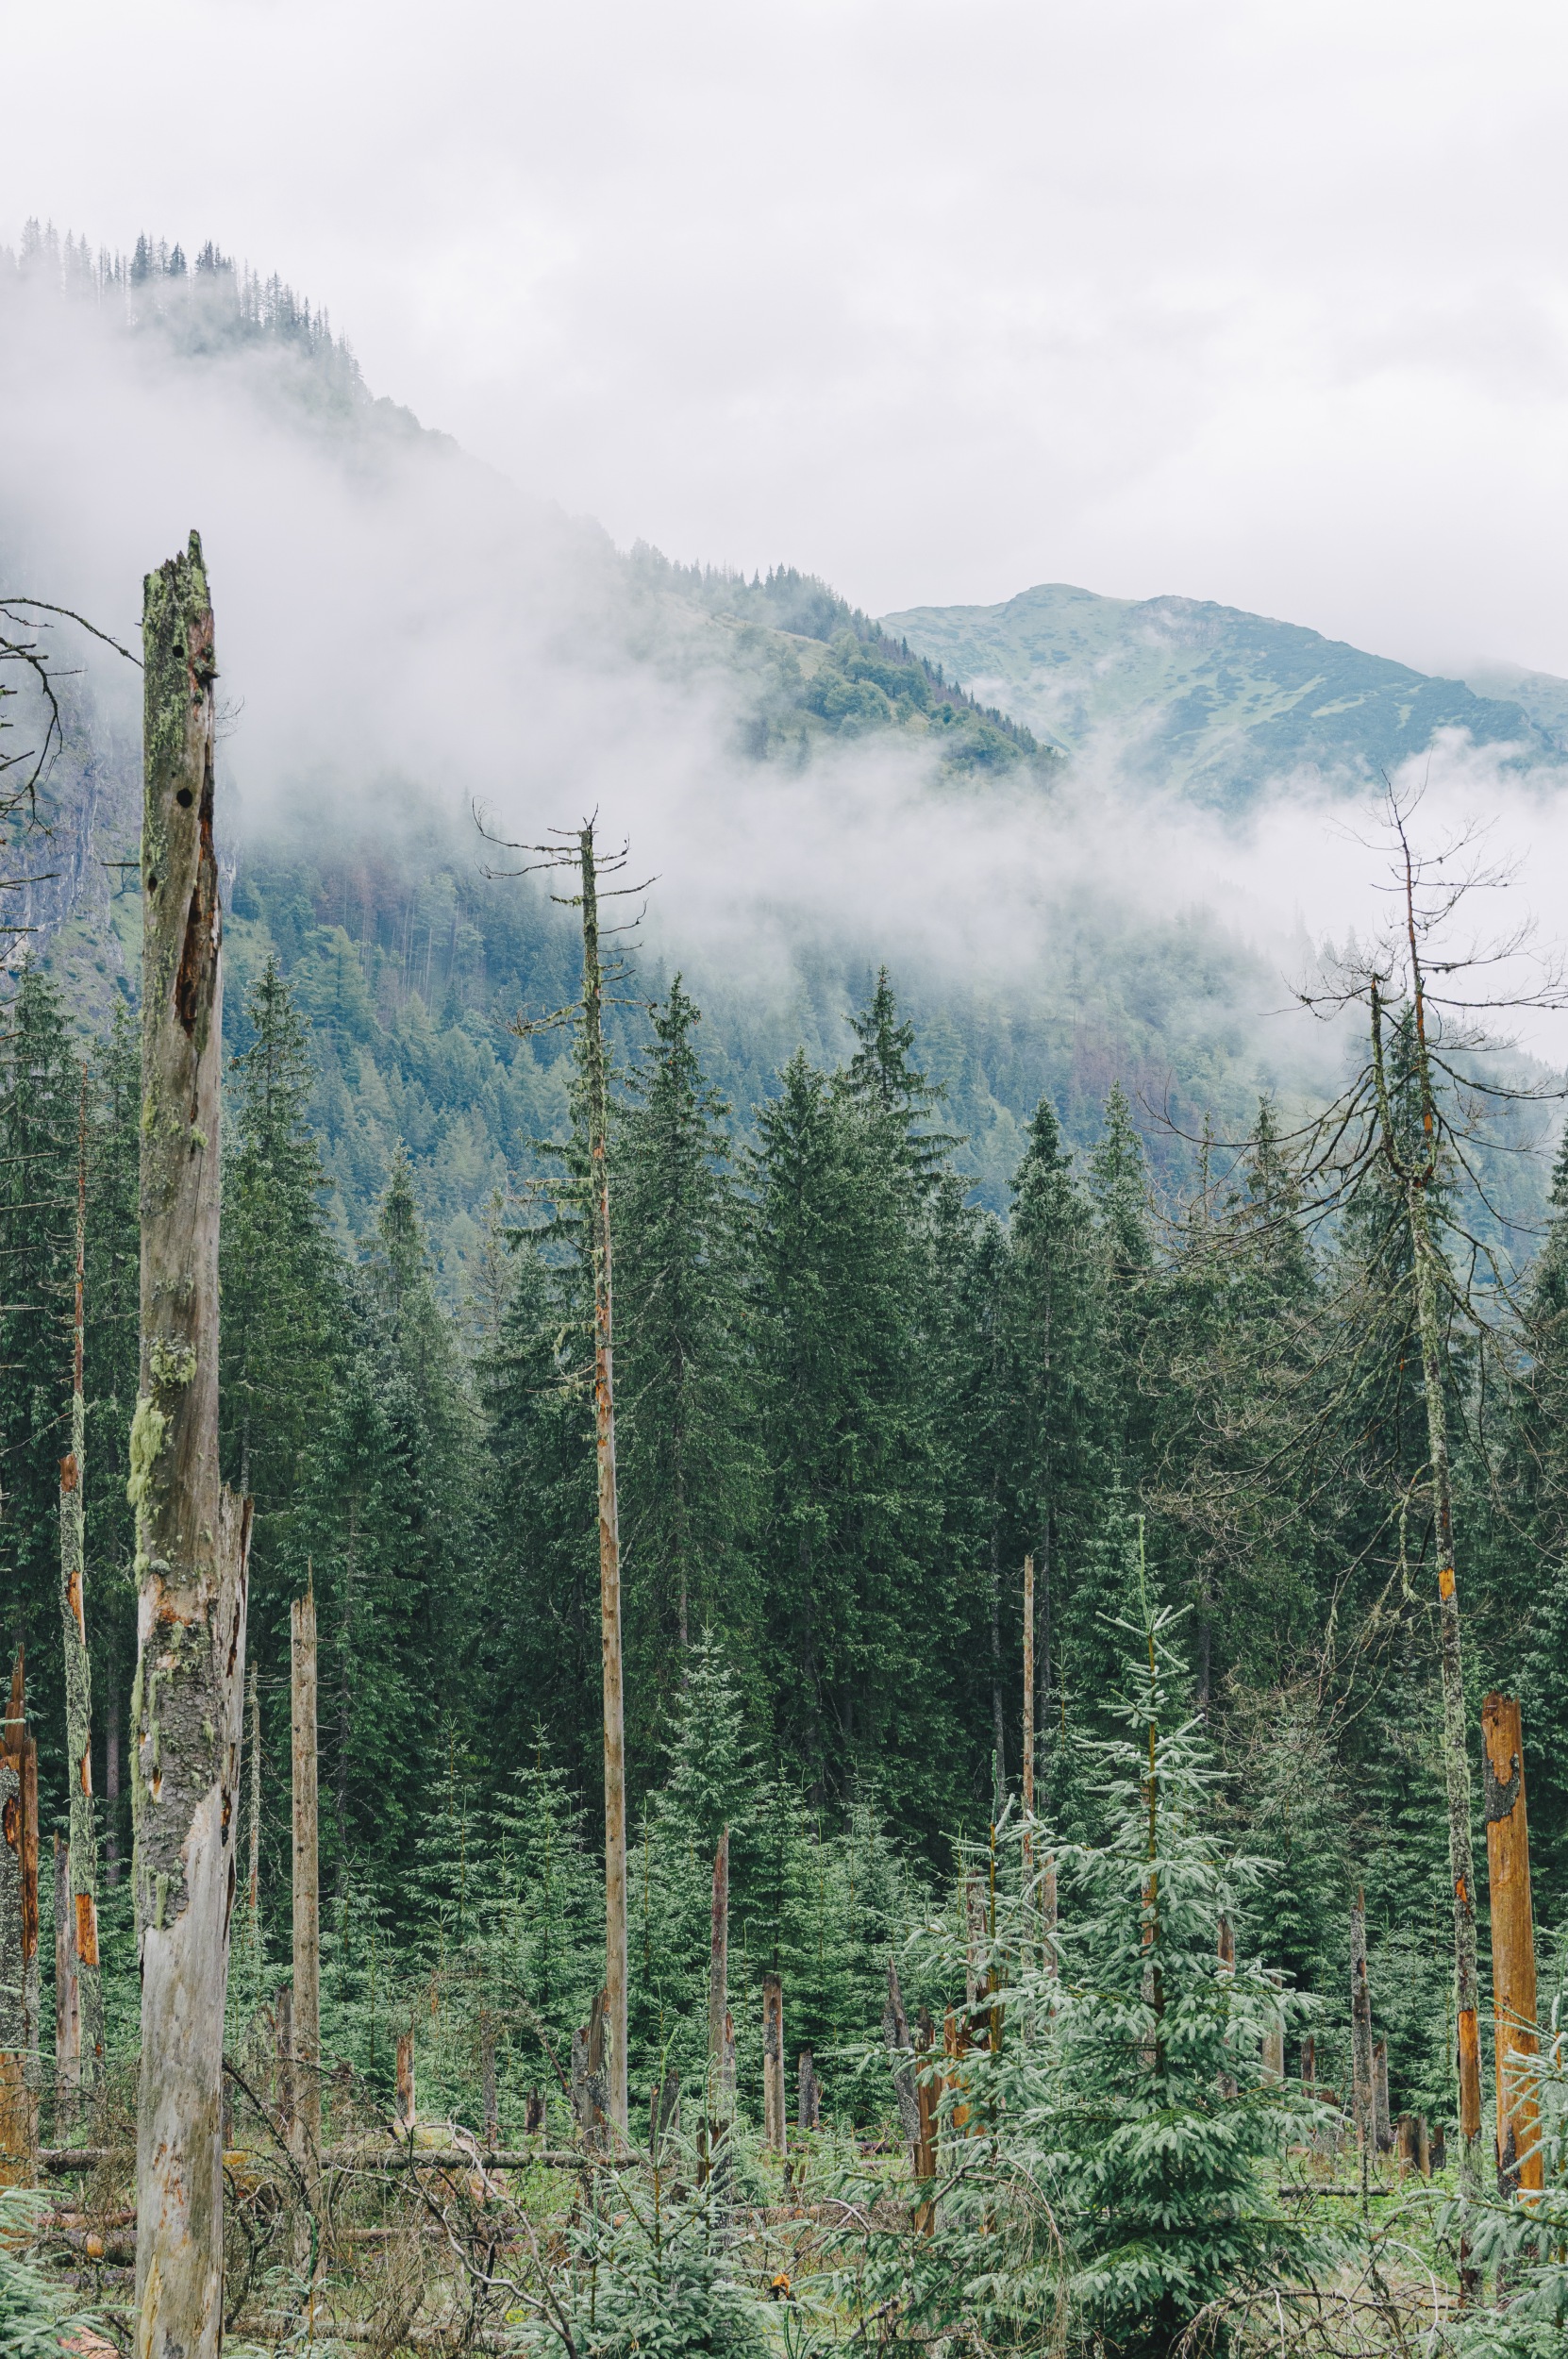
column 1248, row 303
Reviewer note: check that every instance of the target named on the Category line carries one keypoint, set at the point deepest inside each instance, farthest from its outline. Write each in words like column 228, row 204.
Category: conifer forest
column 656, row 1709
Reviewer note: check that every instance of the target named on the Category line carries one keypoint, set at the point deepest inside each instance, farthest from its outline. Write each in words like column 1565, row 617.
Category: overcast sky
column 1256, row 303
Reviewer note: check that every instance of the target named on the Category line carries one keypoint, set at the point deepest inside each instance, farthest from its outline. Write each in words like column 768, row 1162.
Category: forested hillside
column 974, row 1240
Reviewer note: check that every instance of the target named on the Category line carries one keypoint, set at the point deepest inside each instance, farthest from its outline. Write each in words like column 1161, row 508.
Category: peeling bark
column 191, row 1536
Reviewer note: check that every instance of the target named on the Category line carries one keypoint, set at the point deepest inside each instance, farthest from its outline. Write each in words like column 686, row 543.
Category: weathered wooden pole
column 68, row 2014
column 774, row 2131
column 596, row 1075
column 1363, row 2104
column 19, row 1972
column 82, row 1855
column 191, row 1537
column 1514, row 1996
column 718, row 1982
column 302, row 1697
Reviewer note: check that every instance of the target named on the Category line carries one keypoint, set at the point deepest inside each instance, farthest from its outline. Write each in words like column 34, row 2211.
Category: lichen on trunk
column 191, row 1537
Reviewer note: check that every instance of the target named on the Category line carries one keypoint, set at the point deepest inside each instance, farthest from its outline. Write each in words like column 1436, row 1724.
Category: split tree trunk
column 191, row 1537
column 82, row 1855
column 1513, row 1995
column 597, row 1079
column 302, row 1693
column 774, row 2129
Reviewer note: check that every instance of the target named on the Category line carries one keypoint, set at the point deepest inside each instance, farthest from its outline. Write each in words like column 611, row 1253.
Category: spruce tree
column 686, row 1459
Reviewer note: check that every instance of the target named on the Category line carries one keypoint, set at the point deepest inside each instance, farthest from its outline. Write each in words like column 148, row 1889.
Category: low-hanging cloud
column 399, row 623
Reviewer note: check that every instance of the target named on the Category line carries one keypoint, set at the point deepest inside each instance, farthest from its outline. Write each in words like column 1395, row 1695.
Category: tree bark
column 253, row 1876
column 596, row 1075
column 111, row 1775
column 488, row 2100
column 82, row 1855
column 68, row 2014
column 18, row 1940
column 1382, row 2122
column 1514, row 1994
column 406, row 2100
column 896, row 2036
column 774, row 2134
column 191, row 1536
column 307, row 1890
column 807, row 2093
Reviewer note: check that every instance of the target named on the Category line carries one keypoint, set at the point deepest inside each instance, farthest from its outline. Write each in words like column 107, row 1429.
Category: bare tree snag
column 896, row 2038
column 773, row 2132
column 1309, row 2063
column 488, row 2098
column 82, row 1855
column 718, row 1976
column 67, row 2017
column 596, row 1075
column 406, row 2102
column 928, row 2091
column 807, row 2093
column 1513, row 1995
column 19, row 1974
column 1363, row 2104
column 1273, row 2058
column 302, row 1696
column 1381, row 2120
column 191, row 1537
column 253, row 1879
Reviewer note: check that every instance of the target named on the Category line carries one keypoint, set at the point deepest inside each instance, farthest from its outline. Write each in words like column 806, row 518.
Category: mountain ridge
column 1212, row 698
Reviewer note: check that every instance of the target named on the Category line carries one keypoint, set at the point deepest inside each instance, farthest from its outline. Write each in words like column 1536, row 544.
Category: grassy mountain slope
column 1205, row 696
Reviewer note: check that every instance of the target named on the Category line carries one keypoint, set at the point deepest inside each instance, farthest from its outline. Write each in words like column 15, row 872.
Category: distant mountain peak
column 1214, row 699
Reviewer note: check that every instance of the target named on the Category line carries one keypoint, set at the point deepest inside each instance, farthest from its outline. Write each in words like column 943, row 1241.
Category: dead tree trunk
column 191, row 1537
column 19, row 1973
column 68, row 2014
column 111, row 1776
column 807, row 2093
column 929, row 2090
column 1514, row 1996
column 774, row 2133
column 406, row 2098
column 1029, row 1733
column 718, row 1982
column 896, row 2036
column 1382, row 2120
column 488, row 2098
column 253, row 1878
column 597, row 1079
column 1363, row 2103
column 82, row 1854
column 302, row 1692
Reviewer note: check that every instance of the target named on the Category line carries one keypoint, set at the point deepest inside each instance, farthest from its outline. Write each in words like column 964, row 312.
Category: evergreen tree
column 687, row 1463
